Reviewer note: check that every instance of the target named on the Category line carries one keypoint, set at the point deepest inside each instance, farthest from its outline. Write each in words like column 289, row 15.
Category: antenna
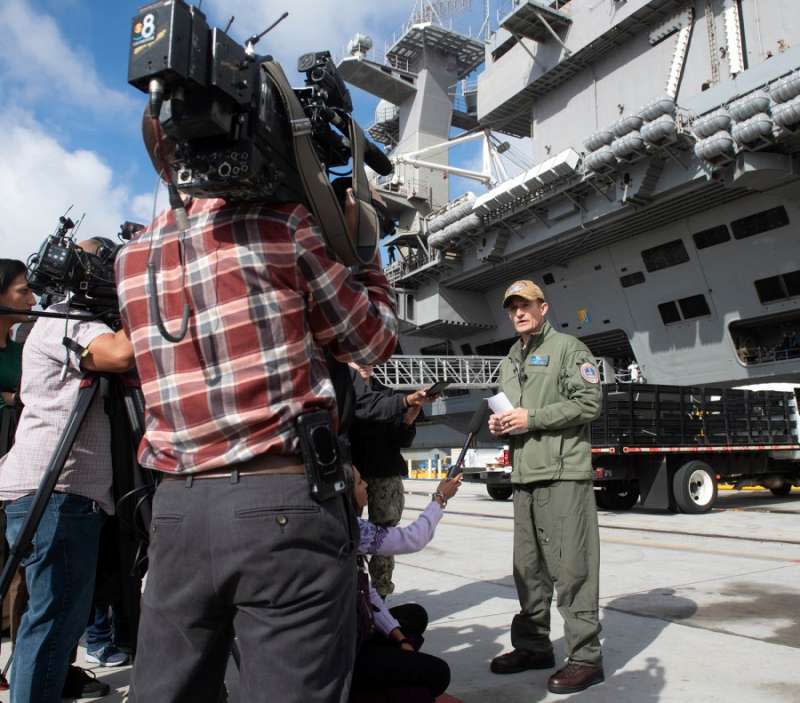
column 438, row 10
column 230, row 22
column 78, row 226
column 250, row 44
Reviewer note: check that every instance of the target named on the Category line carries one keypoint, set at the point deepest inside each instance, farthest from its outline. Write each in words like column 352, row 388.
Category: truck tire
column 694, row 487
column 782, row 491
column 500, row 492
column 617, row 495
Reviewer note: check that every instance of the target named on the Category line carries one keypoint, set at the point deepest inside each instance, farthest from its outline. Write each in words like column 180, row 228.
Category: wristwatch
column 438, row 494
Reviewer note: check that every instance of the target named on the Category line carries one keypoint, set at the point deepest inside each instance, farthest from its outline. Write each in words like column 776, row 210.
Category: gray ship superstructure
column 660, row 214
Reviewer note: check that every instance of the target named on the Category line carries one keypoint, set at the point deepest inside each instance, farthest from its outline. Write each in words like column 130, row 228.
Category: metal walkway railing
column 463, row 372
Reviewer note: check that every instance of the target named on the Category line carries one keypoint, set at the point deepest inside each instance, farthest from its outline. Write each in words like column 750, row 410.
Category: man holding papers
column 552, row 393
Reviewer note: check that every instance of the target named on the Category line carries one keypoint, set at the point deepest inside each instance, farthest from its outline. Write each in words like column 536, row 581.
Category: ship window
column 694, row 306
column 548, row 279
column 792, row 282
column 498, row 348
column 441, row 349
column 665, row 255
column 632, row 279
column 760, row 222
column 669, row 312
column 767, row 339
column 710, row 237
column 770, row 289
column 786, row 285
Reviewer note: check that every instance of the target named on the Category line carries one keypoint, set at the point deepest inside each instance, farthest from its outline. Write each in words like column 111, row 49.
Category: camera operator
column 60, row 568
column 238, row 545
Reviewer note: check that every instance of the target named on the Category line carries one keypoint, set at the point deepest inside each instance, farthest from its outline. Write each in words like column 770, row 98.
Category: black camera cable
column 156, row 94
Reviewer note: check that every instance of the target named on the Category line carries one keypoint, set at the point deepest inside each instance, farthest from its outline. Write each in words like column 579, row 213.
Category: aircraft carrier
column 658, row 209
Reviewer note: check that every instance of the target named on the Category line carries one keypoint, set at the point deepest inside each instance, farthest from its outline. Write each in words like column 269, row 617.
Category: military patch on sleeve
column 589, row 373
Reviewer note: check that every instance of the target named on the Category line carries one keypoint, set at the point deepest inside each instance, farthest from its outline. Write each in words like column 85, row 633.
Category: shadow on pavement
column 469, row 646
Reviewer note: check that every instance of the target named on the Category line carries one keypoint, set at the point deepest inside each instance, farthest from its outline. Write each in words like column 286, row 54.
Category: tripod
column 120, row 393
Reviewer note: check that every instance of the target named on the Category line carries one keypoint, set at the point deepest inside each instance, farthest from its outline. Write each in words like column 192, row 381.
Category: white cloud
column 40, row 179
column 311, row 26
column 37, row 62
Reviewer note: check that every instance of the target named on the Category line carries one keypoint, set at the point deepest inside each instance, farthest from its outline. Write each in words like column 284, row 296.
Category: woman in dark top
column 14, row 293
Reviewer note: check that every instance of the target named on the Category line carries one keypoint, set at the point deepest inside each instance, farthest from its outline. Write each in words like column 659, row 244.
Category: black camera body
column 224, row 113
column 61, row 269
column 319, row 446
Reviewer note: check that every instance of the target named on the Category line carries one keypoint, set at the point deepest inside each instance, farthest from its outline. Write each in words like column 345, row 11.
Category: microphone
column 477, row 421
column 376, row 159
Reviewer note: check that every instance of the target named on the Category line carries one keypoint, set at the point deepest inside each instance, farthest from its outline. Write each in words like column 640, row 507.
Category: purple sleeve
column 385, row 622
column 400, row 540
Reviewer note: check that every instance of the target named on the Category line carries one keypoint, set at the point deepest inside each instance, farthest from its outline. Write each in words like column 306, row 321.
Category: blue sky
column 69, row 123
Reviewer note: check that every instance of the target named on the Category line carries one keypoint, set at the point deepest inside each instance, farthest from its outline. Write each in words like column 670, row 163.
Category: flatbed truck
column 669, row 447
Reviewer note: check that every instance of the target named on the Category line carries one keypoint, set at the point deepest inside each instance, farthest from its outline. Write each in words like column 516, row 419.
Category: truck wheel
column 617, row 495
column 695, row 487
column 782, row 491
column 500, row 492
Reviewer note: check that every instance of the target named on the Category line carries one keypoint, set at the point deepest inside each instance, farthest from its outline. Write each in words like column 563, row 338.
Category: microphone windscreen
column 479, row 417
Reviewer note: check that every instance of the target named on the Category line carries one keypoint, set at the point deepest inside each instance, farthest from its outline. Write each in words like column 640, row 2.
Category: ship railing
column 401, row 63
column 413, row 261
column 407, row 185
column 464, row 95
column 769, row 356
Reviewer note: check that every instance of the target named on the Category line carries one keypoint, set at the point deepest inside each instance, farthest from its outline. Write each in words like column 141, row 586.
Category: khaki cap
column 523, row 289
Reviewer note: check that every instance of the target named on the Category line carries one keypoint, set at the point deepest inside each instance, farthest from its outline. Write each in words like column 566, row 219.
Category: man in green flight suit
column 553, row 383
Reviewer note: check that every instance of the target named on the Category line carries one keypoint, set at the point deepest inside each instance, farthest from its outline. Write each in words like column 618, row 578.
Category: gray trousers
column 258, row 559
column 556, row 542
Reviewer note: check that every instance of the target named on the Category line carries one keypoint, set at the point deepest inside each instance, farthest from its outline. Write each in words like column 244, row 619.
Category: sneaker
column 83, row 684
column 107, row 656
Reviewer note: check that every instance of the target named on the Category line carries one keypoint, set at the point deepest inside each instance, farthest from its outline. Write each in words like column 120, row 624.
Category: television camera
column 63, row 269
column 240, row 131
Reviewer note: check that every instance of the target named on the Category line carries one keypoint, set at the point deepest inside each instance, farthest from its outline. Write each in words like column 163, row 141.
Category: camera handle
column 356, row 249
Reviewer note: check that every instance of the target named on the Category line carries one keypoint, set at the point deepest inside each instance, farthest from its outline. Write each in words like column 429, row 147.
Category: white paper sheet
column 499, row 404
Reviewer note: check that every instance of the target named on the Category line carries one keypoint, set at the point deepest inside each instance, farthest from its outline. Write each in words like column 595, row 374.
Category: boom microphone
column 377, row 160
column 477, row 421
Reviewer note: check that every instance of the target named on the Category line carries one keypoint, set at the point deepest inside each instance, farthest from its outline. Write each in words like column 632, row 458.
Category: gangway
column 407, row 372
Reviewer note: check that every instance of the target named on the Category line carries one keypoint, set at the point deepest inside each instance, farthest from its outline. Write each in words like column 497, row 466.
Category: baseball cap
column 523, row 289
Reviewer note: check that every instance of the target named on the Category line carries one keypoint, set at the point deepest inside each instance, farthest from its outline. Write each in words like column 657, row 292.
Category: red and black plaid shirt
column 265, row 297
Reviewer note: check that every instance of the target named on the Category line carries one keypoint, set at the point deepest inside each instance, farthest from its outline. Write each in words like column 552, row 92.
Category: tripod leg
column 17, row 553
